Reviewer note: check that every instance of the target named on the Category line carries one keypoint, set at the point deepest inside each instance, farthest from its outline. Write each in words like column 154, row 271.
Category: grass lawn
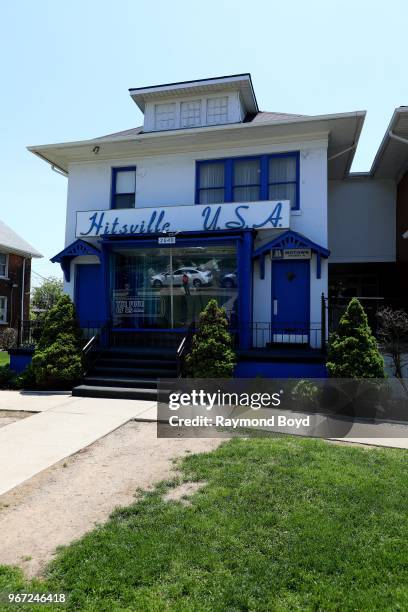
column 282, row 524
column 4, row 358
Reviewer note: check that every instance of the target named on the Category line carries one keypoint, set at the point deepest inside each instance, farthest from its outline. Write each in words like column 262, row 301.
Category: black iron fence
column 29, row 332
column 268, row 335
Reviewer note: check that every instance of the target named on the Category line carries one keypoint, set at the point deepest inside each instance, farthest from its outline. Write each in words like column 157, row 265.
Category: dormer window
column 196, row 104
column 191, row 114
column 217, row 110
column 165, row 116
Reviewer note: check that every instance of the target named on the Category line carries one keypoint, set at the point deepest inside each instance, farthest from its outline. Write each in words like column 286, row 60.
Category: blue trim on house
column 245, row 290
column 75, row 249
column 280, row 369
column 264, row 178
column 303, row 325
column 115, row 172
column 293, row 240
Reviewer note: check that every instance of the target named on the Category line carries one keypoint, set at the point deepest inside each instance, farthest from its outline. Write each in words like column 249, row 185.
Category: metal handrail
column 89, row 344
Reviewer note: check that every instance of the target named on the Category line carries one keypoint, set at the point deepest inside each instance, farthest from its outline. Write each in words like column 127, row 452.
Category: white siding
column 362, row 214
column 170, row 180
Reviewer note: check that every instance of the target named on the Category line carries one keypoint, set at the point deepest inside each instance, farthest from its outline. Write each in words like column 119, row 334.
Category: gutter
column 22, row 290
column 54, row 167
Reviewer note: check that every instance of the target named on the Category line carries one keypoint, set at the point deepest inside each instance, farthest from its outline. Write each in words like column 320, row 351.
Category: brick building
column 15, row 276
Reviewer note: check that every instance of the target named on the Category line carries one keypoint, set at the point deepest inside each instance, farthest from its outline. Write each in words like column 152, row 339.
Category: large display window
column 167, row 288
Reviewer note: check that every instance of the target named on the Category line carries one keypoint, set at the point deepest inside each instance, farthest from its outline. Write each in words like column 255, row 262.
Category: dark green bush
column 59, row 365
column 61, row 319
column 7, row 377
column 57, row 361
column 26, row 379
column 211, row 355
column 353, row 350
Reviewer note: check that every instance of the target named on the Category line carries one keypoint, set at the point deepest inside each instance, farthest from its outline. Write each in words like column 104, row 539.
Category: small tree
column 393, row 333
column 211, row 355
column 46, row 295
column 61, row 319
column 8, row 338
column 57, row 362
column 353, row 350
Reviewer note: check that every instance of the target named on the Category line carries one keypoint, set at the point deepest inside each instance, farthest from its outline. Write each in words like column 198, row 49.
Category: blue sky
column 66, row 68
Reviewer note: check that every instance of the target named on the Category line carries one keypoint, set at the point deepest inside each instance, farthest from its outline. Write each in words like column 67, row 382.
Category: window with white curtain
column 165, row 116
column 191, row 113
column 123, row 187
column 246, row 180
column 3, row 264
column 249, row 179
column 283, row 179
column 3, row 309
column 217, row 110
column 211, row 183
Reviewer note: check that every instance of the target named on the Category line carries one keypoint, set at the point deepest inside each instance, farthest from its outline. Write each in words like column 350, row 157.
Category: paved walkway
column 63, row 426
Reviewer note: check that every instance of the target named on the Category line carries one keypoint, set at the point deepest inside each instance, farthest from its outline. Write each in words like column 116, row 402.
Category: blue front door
column 290, row 301
column 89, row 294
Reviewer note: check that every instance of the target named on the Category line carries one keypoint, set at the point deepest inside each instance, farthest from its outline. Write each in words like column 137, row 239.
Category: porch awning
column 75, row 249
column 291, row 240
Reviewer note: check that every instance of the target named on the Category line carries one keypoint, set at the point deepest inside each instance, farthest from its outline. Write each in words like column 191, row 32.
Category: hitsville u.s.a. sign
column 168, row 219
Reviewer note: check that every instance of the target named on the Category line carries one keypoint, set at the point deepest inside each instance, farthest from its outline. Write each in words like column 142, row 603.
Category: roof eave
column 45, row 151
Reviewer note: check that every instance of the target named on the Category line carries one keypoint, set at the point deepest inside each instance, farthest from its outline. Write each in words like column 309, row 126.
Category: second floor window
column 249, row 179
column 3, row 264
column 123, row 187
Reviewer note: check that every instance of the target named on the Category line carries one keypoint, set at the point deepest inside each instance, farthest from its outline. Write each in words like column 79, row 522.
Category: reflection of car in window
column 198, row 278
column 229, row 280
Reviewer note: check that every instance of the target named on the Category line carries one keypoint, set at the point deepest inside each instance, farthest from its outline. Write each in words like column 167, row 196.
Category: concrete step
column 138, row 352
column 134, row 383
column 114, row 372
column 114, row 392
column 122, row 362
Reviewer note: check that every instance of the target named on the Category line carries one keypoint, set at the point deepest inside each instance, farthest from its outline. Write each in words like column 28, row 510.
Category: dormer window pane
column 217, row 110
column 191, row 113
column 165, row 116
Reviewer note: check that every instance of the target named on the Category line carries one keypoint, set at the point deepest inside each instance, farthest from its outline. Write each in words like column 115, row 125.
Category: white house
column 212, row 198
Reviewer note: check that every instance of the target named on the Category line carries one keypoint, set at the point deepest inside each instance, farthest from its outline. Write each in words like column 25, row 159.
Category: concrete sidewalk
column 64, row 426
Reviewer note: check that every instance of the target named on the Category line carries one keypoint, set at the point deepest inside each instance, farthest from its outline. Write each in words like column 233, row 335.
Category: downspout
column 404, row 141
column 342, row 152
column 399, row 138
column 22, row 291
column 59, row 171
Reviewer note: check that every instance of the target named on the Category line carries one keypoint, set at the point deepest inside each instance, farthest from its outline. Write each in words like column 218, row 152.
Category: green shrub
column 61, row 319
column 211, row 355
column 59, row 365
column 353, row 351
column 57, row 361
column 6, row 377
column 26, row 379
